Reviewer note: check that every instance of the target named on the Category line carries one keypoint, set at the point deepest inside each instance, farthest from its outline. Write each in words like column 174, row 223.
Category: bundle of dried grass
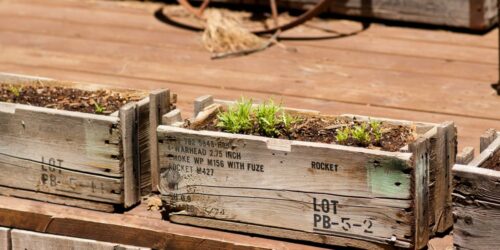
column 225, row 35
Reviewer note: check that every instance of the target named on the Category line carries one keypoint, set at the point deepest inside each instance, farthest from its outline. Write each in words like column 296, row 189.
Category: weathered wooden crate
column 361, row 198
column 476, row 197
column 87, row 160
column 478, row 15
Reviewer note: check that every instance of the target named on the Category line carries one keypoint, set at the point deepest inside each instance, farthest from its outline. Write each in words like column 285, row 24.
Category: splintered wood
column 476, row 198
column 317, row 192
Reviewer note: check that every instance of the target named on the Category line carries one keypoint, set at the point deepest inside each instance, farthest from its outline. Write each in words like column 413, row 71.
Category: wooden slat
column 60, row 138
column 420, row 187
column 47, row 178
column 476, row 207
column 125, row 229
column 486, row 139
column 27, row 240
column 279, row 233
column 143, row 147
column 466, row 156
column 158, row 100
column 4, row 238
column 131, row 172
column 58, row 199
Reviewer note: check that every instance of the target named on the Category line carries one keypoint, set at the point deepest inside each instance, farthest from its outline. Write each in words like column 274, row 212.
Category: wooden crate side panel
column 4, row 238
column 57, row 199
column 26, row 240
column 243, row 179
column 71, row 140
column 242, row 161
column 487, row 153
column 476, row 207
column 42, row 177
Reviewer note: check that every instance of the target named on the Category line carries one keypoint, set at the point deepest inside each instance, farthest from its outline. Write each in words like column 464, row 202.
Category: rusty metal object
column 198, row 12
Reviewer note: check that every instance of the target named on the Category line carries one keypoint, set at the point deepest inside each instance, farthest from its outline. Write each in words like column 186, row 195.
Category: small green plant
column 16, row 91
column 238, row 118
column 288, row 120
column 376, row 129
column 343, row 135
column 267, row 119
column 98, row 108
column 361, row 134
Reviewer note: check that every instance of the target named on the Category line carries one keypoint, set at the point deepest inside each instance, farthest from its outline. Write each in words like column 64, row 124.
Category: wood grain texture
column 72, row 140
column 244, row 178
column 466, row 156
column 125, row 229
column 476, row 207
column 143, row 145
column 43, row 177
column 279, row 233
column 129, row 158
column 5, row 238
column 470, row 14
column 57, row 199
column 158, row 100
column 27, row 240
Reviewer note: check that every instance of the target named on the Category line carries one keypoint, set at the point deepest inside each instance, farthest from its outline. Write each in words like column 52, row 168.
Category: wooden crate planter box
column 93, row 161
column 477, row 15
column 323, row 193
column 476, row 197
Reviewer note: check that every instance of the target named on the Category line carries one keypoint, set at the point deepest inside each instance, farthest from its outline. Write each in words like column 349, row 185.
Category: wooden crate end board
column 158, row 107
column 128, row 128
column 195, row 163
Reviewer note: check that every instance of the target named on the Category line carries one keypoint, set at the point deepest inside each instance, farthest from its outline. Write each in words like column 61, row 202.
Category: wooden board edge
column 158, row 101
column 128, row 128
column 5, row 238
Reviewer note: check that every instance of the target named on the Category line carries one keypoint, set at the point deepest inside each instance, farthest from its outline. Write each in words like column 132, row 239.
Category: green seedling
column 361, row 134
column 237, row 119
column 376, row 129
column 16, row 91
column 343, row 135
column 288, row 120
column 98, row 108
column 267, row 119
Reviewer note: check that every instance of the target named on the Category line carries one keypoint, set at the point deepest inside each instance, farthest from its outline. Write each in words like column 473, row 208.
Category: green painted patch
column 387, row 178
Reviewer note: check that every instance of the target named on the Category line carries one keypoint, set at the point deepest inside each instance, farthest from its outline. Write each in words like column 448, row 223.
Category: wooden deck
column 403, row 73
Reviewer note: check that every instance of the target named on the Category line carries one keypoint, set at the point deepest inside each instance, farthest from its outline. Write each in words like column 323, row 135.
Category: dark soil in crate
column 95, row 102
column 323, row 129
column 493, row 162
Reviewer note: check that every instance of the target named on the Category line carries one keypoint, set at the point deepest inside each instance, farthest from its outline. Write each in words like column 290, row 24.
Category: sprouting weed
column 361, row 134
column 288, row 120
column 98, row 108
column 237, row 119
column 376, row 129
column 267, row 119
column 16, row 91
column 343, row 135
